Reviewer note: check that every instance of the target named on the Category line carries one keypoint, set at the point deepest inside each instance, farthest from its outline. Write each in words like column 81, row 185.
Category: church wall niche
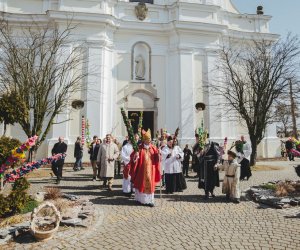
column 141, row 63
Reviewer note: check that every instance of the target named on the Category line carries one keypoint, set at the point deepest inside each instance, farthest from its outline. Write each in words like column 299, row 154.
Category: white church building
column 154, row 57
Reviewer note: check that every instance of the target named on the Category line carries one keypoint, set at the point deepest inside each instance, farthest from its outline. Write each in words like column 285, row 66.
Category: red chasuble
column 145, row 172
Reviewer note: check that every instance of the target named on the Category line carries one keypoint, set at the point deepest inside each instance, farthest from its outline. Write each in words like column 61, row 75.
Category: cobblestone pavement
column 179, row 221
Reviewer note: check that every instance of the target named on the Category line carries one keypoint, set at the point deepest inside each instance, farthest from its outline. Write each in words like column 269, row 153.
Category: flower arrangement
column 29, row 167
column 175, row 137
column 225, row 143
column 87, row 133
column 129, row 130
column 157, row 135
column 239, row 145
column 202, row 135
column 140, row 124
column 17, row 154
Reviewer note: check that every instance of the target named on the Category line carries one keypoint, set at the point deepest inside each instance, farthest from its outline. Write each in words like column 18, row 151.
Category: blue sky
column 286, row 13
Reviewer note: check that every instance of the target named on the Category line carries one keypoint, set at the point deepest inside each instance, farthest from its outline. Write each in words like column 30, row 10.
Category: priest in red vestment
column 145, row 171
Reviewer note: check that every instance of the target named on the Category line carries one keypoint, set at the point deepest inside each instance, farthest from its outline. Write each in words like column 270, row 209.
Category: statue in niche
column 139, row 68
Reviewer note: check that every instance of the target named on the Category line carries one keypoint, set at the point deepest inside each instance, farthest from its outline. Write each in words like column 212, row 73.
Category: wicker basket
column 44, row 235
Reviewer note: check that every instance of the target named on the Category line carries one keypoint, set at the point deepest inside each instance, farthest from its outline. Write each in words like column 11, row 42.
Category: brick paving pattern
column 179, row 221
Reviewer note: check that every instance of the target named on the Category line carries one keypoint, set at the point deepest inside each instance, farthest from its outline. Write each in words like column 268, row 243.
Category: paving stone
column 71, row 222
column 182, row 221
column 4, row 233
column 5, row 240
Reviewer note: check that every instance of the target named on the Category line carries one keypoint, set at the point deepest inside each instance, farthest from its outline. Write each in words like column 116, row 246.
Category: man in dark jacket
column 57, row 167
column 186, row 160
column 289, row 146
column 78, row 154
column 195, row 158
column 93, row 151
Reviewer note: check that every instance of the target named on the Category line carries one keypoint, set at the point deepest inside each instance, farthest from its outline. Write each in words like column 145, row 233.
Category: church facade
column 154, row 56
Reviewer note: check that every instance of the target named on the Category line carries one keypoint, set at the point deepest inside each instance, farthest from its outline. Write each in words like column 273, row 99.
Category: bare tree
column 254, row 76
column 283, row 116
column 43, row 70
column 293, row 107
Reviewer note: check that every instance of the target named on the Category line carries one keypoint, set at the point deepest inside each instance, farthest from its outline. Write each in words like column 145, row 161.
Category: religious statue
column 139, row 68
column 141, row 11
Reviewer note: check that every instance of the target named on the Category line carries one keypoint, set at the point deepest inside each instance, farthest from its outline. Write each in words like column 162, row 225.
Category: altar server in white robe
column 163, row 146
column 127, row 150
column 243, row 158
column 172, row 155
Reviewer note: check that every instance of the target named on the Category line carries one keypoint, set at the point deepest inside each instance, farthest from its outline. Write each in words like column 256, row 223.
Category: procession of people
column 147, row 164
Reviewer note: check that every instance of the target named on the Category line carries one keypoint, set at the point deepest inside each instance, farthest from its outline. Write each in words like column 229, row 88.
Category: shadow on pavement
column 25, row 238
column 123, row 201
column 197, row 198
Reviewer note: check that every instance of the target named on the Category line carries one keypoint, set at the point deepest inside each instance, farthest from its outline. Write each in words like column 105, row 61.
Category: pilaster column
column 100, row 89
column 61, row 123
column 187, row 105
column 3, row 5
column 94, row 94
column 213, row 118
column 173, row 89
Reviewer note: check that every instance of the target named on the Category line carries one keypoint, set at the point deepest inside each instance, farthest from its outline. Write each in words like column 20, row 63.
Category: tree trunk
column 4, row 129
column 32, row 154
column 254, row 152
column 1, row 184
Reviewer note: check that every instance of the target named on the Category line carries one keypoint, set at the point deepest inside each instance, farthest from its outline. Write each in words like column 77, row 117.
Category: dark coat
column 59, row 148
column 124, row 143
column 187, row 155
column 208, row 176
column 289, row 145
column 78, row 150
column 93, row 151
column 195, row 162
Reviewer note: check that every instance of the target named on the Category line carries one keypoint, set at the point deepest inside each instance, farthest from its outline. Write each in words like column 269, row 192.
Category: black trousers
column 57, row 168
column 185, row 168
column 245, row 169
column 291, row 156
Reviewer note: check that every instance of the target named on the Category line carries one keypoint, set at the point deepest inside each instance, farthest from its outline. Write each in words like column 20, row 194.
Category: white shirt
column 163, row 150
column 172, row 164
column 127, row 149
column 247, row 150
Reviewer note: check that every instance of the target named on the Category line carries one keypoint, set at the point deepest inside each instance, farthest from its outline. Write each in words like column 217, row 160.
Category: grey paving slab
column 179, row 221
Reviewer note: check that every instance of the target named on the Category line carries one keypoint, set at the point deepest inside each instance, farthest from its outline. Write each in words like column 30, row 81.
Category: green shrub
column 21, row 185
column 269, row 186
column 6, row 146
column 4, row 206
column 29, row 206
column 16, row 201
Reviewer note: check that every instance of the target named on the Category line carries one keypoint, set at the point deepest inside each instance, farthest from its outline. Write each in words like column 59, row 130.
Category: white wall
column 183, row 38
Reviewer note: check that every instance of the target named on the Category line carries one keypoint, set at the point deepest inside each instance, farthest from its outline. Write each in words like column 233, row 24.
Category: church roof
column 229, row 6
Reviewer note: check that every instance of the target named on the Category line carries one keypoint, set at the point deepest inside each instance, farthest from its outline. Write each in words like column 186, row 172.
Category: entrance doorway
column 148, row 120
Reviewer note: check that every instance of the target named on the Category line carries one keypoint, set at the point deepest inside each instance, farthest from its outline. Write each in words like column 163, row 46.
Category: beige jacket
column 107, row 151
